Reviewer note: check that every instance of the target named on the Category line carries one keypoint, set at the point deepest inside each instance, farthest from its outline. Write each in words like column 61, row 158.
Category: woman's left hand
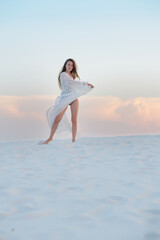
column 90, row 85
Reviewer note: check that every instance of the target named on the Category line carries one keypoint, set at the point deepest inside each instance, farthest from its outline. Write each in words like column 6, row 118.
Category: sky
column 115, row 45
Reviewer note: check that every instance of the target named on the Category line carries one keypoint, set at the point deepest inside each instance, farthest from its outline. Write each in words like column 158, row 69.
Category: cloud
column 27, row 107
column 113, row 115
column 25, row 116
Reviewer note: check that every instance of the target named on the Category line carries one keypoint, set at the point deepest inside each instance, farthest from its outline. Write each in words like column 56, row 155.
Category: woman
column 71, row 90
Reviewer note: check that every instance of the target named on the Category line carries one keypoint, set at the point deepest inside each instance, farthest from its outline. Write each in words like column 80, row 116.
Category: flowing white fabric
column 71, row 89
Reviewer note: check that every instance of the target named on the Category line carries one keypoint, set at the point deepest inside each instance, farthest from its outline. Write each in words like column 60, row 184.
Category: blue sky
column 115, row 45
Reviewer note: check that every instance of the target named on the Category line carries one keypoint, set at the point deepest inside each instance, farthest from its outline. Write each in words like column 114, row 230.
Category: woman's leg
column 74, row 113
column 55, row 125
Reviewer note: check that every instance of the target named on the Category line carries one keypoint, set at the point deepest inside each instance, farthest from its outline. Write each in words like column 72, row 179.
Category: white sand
column 93, row 189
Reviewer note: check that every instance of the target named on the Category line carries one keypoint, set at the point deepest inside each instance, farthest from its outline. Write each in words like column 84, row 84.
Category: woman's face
column 69, row 66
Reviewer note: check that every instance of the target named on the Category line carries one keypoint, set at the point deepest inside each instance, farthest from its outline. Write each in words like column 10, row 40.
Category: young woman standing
column 71, row 90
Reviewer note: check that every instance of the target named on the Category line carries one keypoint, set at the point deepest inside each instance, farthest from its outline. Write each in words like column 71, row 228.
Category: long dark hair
column 73, row 72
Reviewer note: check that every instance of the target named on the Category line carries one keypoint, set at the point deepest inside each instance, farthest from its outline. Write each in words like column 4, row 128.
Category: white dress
column 71, row 89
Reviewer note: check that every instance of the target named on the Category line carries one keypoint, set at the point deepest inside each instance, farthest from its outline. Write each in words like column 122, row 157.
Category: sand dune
column 96, row 188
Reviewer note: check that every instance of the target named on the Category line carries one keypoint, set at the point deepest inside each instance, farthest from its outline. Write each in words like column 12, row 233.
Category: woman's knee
column 57, row 120
column 74, row 120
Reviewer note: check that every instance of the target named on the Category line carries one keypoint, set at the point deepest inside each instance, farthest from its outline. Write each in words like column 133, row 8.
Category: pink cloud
column 98, row 115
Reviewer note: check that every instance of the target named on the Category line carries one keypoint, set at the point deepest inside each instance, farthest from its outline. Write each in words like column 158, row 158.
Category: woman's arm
column 65, row 77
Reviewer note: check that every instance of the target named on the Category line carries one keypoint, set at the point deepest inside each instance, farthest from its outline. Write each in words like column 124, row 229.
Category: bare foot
column 47, row 141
